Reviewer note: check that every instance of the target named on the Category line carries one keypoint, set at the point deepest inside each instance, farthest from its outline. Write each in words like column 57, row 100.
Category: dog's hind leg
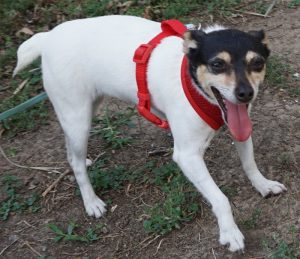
column 77, row 138
column 76, row 126
column 261, row 184
column 189, row 146
column 73, row 105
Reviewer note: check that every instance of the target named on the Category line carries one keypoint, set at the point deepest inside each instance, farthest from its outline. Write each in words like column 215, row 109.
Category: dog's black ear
column 260, row 35
column 192, row 40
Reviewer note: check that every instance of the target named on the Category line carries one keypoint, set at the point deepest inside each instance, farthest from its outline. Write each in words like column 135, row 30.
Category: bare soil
column 276, row 118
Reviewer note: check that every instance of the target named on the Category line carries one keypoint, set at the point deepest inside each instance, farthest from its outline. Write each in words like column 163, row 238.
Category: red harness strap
column 210, row 113
column 141, row 58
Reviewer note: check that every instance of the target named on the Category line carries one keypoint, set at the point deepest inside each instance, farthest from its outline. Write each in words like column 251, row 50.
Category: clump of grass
column 15, row 202
column 284, row 249
column 179, row 204
column 229, row 191
column 88, row 236
column 279, row 75
column 278, row 72
column 294, row 3
column 110, row 125
column 107, row 179
column 252, row 221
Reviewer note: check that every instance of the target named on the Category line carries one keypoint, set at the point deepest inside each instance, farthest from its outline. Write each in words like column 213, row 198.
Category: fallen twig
column 97, row 157
column 160, row 242
column 151, row 241
column 47, row 169
column 50, row 187
column 270, row 7
column 21, row 86
column 8, row 246
column 251, row 13
column 32, row 249
column 213, row 251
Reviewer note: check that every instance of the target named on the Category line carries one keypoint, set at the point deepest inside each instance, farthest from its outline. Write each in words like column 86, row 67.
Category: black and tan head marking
column 229, row 61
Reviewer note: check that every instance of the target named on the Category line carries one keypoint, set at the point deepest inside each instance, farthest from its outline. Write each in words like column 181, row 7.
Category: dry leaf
column 24, row 30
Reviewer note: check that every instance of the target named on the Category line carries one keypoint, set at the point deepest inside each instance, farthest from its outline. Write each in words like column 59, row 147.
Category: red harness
column 209, row 112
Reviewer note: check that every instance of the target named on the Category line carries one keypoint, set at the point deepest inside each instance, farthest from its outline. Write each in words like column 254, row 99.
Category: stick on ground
column 50, row 187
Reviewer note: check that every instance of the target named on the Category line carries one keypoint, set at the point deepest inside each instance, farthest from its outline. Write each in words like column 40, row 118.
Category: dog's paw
column 88, row 162
column 234, row 238
column 95, row 207
column 268, row 187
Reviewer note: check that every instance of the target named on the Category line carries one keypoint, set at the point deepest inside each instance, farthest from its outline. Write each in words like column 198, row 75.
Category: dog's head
column 228, row 66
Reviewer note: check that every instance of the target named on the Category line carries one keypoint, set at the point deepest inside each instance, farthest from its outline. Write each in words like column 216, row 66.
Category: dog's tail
column 29, row 50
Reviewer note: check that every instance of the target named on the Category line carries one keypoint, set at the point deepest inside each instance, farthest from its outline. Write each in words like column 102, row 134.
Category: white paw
column 88, row 162
column 234, row 238
column 95, row 207
column 268, row 187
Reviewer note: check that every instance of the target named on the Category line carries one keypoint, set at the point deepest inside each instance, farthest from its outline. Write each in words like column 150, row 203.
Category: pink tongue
column 238, row 121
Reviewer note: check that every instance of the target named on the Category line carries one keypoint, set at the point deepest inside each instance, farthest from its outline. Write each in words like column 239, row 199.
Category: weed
column 14, row 201
column 285, row 158
column 229, row 191
column 277, row 72
column 179, row 204
column 11, row 152
column 222, row 7
column 90, row 234
column 293, row 3
column 284, row 249
column 258, row 7
column 110, row 125
column 105, row 179
column 252, row 222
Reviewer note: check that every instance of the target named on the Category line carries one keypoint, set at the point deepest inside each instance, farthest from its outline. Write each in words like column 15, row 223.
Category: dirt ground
column 276, row 118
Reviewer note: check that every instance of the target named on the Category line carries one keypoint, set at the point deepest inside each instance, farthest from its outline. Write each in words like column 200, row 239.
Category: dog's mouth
column 236, row 117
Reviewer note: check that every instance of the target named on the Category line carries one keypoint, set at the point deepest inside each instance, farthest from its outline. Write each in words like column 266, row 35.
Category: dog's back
column 81, row 50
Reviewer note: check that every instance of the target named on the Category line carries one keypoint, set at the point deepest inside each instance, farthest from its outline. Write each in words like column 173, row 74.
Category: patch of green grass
column 222, row 7
column 107, row 179
column 11, row 152
column 277, row 72
column 279, row 75
column 111, row 127
column 258, row 7
column 252, row 221
column 178, row 205
column 14, row 201
column 294, row 3
column 88, row 236
column 284, row 249
column 229, row 191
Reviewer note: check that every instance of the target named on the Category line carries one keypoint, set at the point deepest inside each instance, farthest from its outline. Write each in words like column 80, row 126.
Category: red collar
column 209, row 112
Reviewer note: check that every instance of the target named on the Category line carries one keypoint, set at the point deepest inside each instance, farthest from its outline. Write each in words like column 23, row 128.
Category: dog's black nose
column 244, row 93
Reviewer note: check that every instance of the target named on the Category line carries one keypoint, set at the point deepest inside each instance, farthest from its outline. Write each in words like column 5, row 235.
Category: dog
column 87, row 59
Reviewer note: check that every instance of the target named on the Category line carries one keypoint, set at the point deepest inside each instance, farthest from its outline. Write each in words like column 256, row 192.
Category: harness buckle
column 143, row 53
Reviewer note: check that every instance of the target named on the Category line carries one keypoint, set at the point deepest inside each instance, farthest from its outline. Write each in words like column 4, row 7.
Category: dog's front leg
column 188, row 153
column 263, row 185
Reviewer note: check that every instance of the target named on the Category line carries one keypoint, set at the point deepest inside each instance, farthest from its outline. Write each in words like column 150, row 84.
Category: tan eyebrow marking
column 250, row 55
column 225, row 56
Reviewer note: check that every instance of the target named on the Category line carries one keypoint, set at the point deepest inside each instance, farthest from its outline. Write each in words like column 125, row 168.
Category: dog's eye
column 257, row 64
column 218, row 66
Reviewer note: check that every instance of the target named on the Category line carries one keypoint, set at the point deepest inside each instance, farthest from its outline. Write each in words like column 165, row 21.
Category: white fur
column 83, row 60
column 215, row 27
